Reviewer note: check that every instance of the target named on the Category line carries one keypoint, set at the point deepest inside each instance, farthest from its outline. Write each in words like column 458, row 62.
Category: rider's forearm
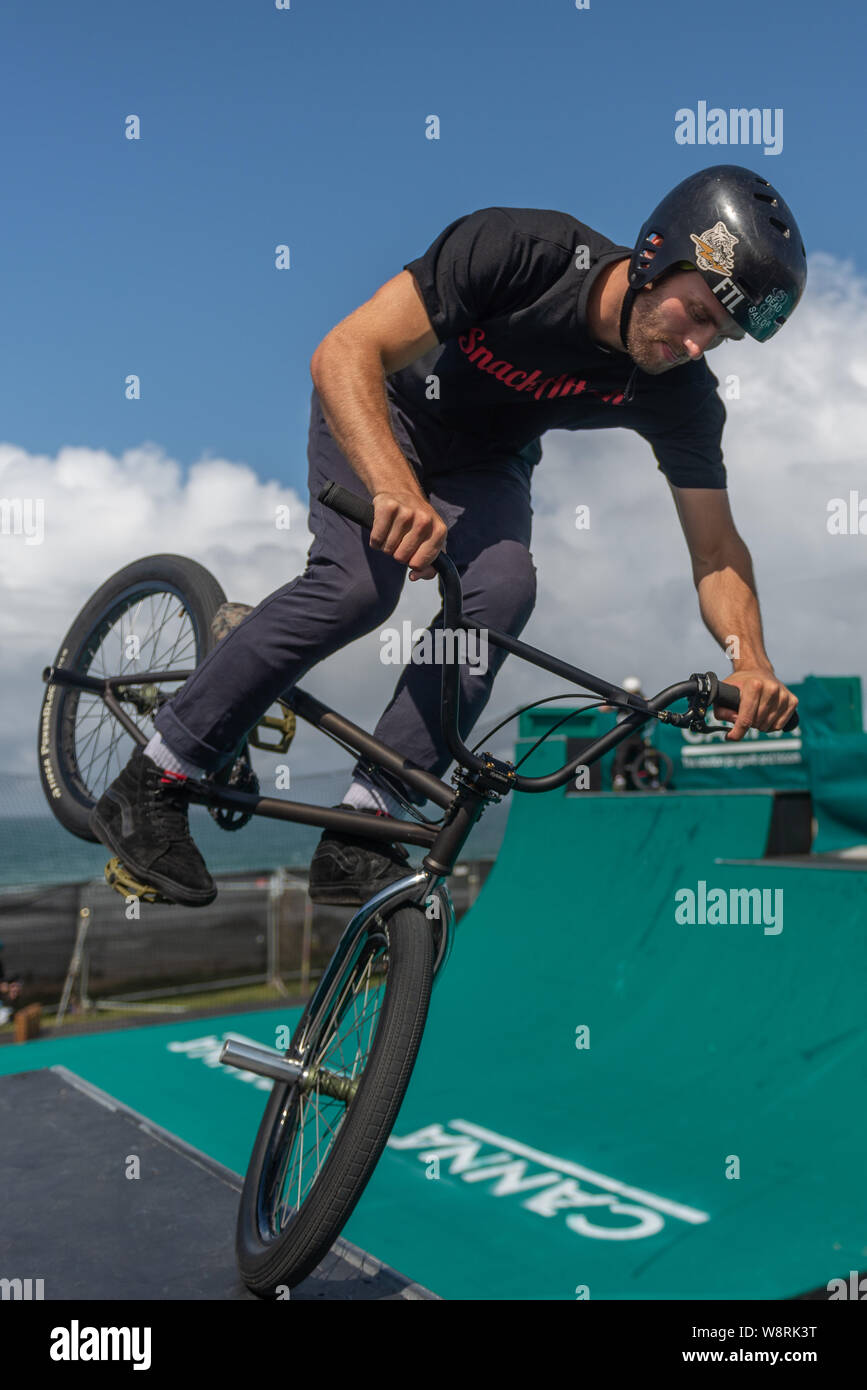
column 350, row 380
column 729, row 605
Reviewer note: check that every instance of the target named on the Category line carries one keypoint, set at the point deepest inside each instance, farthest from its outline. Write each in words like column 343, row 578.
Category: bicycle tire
column 268, row 1262
column 664, row 764
column 65, row 785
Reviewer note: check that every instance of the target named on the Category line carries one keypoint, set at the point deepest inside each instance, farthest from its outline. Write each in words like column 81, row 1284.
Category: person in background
column 10, row 990
column 629, row 750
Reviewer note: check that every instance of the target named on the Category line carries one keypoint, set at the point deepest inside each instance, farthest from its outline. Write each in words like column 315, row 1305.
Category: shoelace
column 168, row 814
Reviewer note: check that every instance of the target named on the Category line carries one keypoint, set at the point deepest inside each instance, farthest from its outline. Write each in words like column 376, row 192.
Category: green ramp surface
column 710, row 1142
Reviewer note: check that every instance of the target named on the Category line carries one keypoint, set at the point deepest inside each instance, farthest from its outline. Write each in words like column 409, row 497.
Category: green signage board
column 826, row 755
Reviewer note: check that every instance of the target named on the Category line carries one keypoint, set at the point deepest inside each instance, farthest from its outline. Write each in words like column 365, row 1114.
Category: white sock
column 364, row 796
column 160, row 753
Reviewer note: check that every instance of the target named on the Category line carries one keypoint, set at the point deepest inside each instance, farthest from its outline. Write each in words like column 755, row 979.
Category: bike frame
column 478, row 780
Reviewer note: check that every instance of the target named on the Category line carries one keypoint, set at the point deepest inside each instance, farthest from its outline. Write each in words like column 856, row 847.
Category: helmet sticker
column 763, row 314
column 715, row 249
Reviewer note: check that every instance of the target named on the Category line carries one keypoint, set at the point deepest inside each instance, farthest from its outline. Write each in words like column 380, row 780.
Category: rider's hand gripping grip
column 730, row 696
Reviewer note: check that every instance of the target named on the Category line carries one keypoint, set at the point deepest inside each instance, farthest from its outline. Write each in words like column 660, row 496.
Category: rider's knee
column 509, row 593
column 365, row 606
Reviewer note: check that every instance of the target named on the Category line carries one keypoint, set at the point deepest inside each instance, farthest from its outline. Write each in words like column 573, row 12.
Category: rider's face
column 676, row 321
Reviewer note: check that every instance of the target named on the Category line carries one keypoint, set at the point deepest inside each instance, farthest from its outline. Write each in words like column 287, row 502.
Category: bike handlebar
column 354, row 508
column 348, row 504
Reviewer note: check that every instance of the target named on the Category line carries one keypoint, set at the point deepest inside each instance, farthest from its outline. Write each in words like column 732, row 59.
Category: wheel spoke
column 166, row 638
column 312, row 1119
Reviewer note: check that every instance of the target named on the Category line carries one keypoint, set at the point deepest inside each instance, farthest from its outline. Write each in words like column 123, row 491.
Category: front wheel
column 322, row 1136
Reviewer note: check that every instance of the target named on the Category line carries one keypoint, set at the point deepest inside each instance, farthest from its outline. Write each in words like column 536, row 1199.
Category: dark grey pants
column 348, row 590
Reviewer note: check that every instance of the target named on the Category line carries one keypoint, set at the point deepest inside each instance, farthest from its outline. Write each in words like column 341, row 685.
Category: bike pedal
column 118, row 877
column 284, row 724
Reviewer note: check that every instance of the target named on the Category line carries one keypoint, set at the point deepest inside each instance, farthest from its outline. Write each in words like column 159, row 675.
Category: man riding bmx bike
column 434, row 396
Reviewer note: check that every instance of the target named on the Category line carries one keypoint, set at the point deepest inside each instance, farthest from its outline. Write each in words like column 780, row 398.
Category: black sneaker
column 142, row 818
column 348, row 869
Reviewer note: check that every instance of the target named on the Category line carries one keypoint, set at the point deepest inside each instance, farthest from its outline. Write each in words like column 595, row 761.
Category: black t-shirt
column 506, row 291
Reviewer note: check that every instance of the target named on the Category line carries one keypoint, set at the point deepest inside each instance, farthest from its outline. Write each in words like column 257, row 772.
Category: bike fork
column 423, row 889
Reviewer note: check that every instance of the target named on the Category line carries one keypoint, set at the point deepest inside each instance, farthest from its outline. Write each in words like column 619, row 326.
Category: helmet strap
column 629, row 299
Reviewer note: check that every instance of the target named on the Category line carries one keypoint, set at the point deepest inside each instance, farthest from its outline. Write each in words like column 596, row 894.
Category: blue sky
column 306, row 126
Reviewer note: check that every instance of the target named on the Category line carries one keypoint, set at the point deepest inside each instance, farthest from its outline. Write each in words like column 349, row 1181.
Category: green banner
column 826, row 755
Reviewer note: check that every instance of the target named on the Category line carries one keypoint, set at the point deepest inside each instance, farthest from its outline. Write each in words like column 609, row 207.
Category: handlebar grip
column 730, row 696
column 347, row 504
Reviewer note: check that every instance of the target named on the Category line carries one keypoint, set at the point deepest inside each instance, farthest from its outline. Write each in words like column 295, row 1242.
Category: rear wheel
column 322, row 1136
column 154, row 614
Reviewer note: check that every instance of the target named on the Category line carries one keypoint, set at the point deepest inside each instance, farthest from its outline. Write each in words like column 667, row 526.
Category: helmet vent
column 780, row 226
column 651, row 245
column 767, row 198
column 762, row 181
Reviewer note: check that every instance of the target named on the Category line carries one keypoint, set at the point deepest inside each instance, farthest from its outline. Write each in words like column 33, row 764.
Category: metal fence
column 82, row 953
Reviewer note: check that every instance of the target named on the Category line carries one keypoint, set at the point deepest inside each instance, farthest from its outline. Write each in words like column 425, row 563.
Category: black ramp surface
column 72, row 1218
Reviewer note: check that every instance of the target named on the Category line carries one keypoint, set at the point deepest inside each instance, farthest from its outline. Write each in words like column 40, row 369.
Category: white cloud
column 100, row 513
column 617, row 599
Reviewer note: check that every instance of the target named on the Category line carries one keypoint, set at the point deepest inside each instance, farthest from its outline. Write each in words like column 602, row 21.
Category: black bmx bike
column 339, row 1083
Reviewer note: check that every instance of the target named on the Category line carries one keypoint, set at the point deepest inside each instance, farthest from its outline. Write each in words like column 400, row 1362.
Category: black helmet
column 737, row 231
